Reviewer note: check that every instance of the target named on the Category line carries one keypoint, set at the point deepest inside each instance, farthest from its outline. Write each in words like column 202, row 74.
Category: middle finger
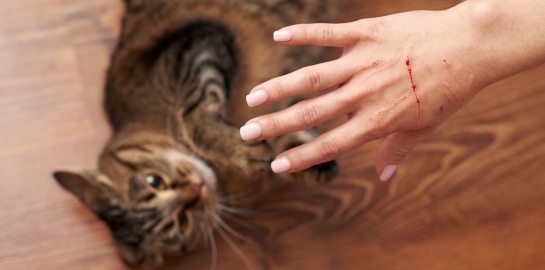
column 301, row 116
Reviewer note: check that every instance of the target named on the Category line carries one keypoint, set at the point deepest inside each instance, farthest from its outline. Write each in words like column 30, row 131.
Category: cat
column 174, row 97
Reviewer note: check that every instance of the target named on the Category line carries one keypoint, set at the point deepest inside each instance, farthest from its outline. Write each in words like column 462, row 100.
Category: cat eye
column 182, row 221
column 155, row 181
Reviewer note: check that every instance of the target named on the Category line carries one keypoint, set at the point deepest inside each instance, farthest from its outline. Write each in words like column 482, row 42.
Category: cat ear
column 90, row 187
column 130, row 254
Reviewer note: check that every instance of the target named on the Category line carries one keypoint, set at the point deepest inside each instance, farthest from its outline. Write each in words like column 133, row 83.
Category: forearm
column 509, row 34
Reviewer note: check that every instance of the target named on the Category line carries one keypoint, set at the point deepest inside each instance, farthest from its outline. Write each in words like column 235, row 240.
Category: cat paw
column 320, row 174
column 324, row 172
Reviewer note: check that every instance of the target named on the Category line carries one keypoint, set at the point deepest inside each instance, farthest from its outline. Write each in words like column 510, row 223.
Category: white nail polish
column 250, row 131
column 281, row 165
column 388, row 172
column 257, row 97
column 282, row 35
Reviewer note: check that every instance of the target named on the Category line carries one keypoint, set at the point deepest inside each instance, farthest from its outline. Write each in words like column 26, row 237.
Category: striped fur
column 175, row 100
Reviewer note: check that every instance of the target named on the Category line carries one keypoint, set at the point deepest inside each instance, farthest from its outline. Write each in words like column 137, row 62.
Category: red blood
column 408, row 63
column 403, row 98
column 441, row 108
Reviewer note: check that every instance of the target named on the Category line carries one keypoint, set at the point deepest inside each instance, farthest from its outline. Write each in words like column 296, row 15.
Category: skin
column 399, row 77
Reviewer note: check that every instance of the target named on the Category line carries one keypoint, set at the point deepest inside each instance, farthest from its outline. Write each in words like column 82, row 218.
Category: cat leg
column 316, row 175
column 243, row 168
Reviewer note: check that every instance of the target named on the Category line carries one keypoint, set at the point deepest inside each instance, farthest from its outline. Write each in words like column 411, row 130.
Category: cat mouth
column 199, row 202
column 193, row 203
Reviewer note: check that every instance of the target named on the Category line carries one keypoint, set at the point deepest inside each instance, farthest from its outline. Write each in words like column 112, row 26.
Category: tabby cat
column 175, row 100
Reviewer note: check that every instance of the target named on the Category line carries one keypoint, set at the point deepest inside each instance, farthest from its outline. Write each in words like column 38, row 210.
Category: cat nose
column 196, row 187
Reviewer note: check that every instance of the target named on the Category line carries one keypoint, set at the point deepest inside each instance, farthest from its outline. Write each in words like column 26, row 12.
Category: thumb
column 395, row 148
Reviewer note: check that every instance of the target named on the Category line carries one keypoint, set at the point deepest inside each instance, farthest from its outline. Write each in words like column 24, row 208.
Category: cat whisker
column 205, row 234
column 222, row 199
column 239, row 211
column 214, row 249
column 230, row 229
column 236, row 210
column 240, row 197
column 235, row 248
column 243, row 223
column 241, row 194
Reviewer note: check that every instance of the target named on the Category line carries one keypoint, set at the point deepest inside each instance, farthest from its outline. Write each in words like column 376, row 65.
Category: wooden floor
column 471, row 196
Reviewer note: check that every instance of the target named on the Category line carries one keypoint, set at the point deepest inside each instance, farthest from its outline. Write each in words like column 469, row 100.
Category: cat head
column 156, row 200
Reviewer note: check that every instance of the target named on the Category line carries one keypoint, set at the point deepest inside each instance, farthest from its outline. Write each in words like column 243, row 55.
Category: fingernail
column 281, row 165
column 257, row 97
column 282, row 35
column 388, row 172
column 250, row 131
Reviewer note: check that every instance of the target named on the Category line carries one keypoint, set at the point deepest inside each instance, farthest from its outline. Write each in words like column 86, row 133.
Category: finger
column 326, row 147
column 320, row 34
column 301, row 116
column 394, row 149
column 303, row 81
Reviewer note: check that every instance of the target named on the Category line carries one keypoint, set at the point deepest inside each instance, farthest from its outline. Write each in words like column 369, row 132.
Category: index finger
column 319, row 34
column 301, row 82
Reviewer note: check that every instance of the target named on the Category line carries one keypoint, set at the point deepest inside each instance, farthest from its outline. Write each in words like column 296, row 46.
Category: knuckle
column 278, row 89
column 377, row 126
column 329, row 149
column 309, row 114
column 297, row 159
column 313, row 79
column 272, row 124
column 373, row 134
column 374, row 31
column 305, row 33
column 327, row 34
column 349, row 97
column 400, row 153
column 381, row 125
column 372, row 28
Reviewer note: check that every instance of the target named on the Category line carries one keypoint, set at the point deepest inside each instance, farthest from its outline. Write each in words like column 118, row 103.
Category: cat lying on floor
column 181, row 68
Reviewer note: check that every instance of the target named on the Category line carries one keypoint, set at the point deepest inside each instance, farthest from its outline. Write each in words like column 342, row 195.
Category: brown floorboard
column 471, row 196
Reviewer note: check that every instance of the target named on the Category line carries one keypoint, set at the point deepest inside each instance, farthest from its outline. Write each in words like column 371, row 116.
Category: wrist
column 503, row 35
column 478, row 19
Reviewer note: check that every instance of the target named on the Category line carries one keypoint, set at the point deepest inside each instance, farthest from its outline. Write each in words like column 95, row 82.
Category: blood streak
column 408, row 63
column 403, row 98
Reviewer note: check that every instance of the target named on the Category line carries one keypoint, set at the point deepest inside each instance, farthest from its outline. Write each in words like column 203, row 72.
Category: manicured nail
column 388, row 172
column 282, row 35
column 250, row 131
column 281, row 165
column 257, row 97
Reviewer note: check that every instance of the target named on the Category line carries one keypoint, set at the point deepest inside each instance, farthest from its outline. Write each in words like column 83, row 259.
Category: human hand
column 399, row 77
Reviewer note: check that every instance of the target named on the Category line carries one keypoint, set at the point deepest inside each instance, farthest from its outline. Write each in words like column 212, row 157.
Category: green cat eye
column 155, row 181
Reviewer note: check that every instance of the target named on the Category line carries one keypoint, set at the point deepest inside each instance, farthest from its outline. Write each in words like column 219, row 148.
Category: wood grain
column 471, row 196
